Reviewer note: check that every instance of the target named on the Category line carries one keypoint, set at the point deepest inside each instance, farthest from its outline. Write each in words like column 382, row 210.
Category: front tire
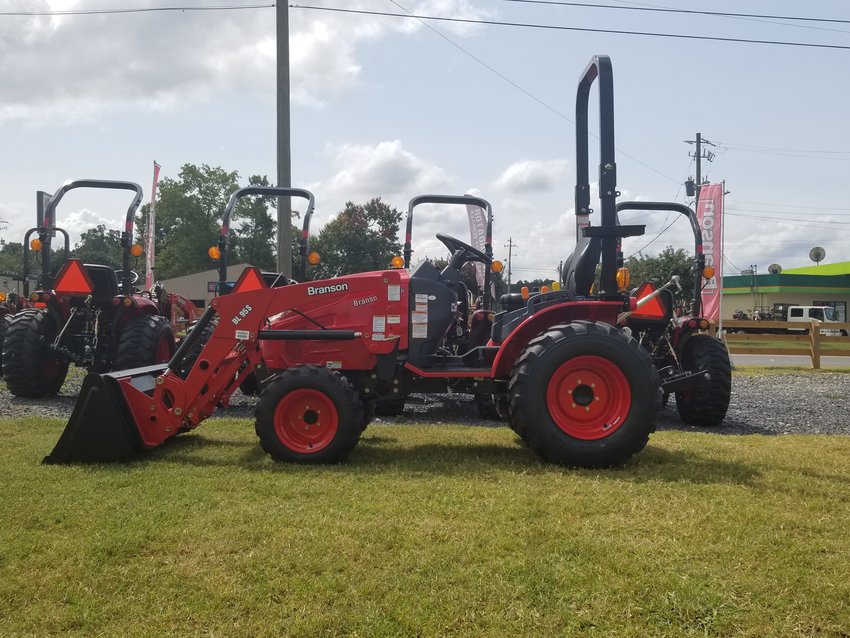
column 584, row 395
column 31, row 370
column 309, row 414
column 144, row 341
column 706, row 405
column 390, row 406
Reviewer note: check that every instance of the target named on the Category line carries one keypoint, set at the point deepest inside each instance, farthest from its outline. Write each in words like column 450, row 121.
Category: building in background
column 201, row 287
column 821, row 285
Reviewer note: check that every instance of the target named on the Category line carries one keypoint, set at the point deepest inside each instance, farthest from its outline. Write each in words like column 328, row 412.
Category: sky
column 396, row 107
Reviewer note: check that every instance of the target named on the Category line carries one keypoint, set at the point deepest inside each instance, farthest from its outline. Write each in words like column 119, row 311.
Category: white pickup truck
column 823, row 314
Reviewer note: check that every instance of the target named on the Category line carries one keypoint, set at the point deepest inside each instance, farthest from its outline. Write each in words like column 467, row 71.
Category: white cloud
column 533, row 175
column 75, row 67
column 384, row 170
column 79, row 221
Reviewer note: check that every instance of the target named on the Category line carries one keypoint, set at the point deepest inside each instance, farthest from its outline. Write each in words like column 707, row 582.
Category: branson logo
column 323, row 290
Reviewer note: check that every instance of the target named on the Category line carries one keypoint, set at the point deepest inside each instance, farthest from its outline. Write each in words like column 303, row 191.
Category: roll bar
column 267, row 191
column 699, row 256
column 453, row 199
column 48, row 226
column 599, row 67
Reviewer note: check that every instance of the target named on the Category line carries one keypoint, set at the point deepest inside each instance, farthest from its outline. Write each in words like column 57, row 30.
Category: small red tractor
column 89, row 315
column 576, row 386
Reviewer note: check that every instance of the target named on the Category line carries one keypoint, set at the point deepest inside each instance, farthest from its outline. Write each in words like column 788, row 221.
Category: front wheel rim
column 306, row 421
column 589, row 397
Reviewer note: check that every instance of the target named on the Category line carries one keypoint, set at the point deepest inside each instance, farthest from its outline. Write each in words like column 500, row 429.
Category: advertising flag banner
column 710, row 217
column 477, row 236
column 150, row 230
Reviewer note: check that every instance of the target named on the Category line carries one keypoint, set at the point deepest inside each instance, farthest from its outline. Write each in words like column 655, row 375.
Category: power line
column 556, row 27
column 744, row 201
column 682, row 11
column 79, row 12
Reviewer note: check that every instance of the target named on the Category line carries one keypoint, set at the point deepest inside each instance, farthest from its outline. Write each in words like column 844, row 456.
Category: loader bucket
column 102, row 428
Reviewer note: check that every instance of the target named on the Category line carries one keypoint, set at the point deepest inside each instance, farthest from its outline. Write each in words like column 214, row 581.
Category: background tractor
column 89, row 314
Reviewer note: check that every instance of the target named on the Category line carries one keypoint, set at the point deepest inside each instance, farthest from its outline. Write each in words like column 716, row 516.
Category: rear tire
column 144, row 341
column 4, row 325
column 487, row 407
column 31, row 370
column 390, row 407
column 706, row 405
column 195, row 349
column 309, row 414
column 584, row 395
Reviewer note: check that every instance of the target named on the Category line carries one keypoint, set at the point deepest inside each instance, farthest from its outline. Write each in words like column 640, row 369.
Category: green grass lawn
column 426, row 531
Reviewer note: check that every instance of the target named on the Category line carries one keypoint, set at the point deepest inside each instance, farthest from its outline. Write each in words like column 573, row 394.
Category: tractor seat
column 580, row 268
column 512, row 301
column 105, row 282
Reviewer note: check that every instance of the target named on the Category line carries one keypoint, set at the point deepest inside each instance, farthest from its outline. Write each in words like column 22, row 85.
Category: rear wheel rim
column 589, row 397
column 306, row 421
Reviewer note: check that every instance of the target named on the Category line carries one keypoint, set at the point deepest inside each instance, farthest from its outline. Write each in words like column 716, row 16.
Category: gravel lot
column 769, row 404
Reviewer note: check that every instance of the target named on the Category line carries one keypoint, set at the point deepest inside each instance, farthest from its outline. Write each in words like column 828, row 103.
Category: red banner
column 150, row 231
column 710, row 217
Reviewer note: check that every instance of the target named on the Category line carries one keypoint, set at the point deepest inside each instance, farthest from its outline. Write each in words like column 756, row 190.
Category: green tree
column 188, row 219
column 11, row 257
column 531, row 284
column 659, row 268
column 362, row 238
column 100, row 245
column 254, row 241
column 188, row 216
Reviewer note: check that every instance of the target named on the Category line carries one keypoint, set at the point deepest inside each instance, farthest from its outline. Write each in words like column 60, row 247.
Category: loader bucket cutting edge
column 101, row 428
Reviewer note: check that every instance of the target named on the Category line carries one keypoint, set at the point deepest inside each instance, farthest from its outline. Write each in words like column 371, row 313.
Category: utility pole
column 510, row 246
column 694, row 188
column 561, row 270
column 284, row 159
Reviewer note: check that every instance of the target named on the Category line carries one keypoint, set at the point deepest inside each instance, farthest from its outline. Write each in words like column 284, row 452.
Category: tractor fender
column 146, row 305
column 541, row 321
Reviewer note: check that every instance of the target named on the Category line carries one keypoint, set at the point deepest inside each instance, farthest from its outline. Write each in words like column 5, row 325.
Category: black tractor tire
column 309, row 414
column 584, row 394
column 30, row 369
column 487, row 408
column 144, row 341
column 4, row 325
column 706, row 405
column 249, row 385
column 195, row 350
column 368, row 412
column 393, row 406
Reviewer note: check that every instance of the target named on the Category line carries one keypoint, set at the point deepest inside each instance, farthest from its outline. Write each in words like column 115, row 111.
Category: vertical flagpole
column 150, row 232
column 720, row 265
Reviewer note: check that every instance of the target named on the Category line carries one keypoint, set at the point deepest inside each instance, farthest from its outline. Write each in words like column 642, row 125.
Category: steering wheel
column 463, row 252
column 134, row 276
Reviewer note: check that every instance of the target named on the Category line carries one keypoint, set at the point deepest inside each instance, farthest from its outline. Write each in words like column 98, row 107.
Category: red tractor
column 578, row 389
column 90, row 315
